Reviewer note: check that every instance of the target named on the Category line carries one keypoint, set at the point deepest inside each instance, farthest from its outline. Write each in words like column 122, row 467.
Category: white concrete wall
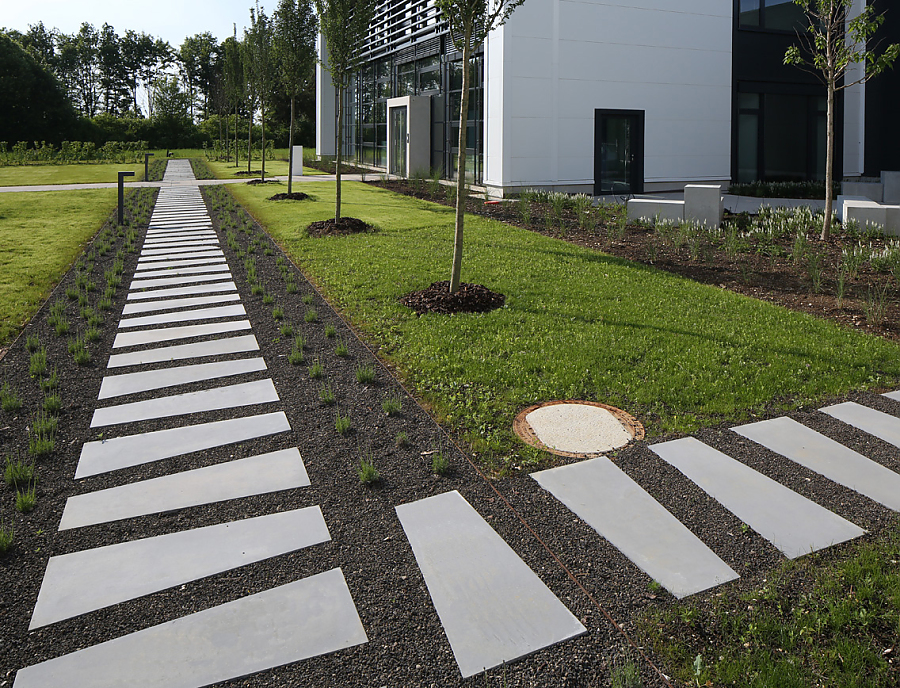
column 556, row 61
column 325, row 103
column 855, row 113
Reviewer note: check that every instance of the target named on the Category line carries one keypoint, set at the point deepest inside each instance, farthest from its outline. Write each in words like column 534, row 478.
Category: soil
column 436, row 298
column 871, row 300
column 293, row 196
column 344, row 226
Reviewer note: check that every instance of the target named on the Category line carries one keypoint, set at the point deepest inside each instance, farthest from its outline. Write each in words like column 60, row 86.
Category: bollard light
column 147, row 157
column 122, row 176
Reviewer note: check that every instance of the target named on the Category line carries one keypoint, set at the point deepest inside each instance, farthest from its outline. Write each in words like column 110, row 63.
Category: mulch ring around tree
column 248, row 173
column 471, row 298
column 262, row 181
column 293, row 196
column 345, row 225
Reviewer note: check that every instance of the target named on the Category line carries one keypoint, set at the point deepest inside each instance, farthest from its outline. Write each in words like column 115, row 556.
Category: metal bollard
column 122, row 176
column 147, row 157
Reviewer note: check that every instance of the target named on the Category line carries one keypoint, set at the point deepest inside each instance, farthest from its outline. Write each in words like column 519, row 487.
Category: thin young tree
column 470, row 21
column 295, row 52
column 234, row 81
column 259, row 50
column 833, row 42
column 343, row 24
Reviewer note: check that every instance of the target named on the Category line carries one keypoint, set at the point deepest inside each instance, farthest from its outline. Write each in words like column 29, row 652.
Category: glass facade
column 771, row 15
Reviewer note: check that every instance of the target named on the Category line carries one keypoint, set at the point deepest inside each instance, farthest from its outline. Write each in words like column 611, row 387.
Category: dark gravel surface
column 407, row 646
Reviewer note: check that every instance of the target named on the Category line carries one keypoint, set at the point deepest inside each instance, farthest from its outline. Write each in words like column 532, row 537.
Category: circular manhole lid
column 581, row 429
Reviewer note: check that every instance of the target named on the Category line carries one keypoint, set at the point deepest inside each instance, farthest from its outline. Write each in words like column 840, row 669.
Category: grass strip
column 85, row 173
column 576, row 324
column 41, row 234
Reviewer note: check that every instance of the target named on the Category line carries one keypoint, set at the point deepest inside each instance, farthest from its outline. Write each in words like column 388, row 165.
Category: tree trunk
column 262, row 121
column 461, row 170
column 250, row 140
column 339, row 130
column 829, row 163
column 291, row 148
column 236, row 156
column 227, row 138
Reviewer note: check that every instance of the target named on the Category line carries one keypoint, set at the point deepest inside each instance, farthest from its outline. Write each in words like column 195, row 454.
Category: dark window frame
column 637, row 172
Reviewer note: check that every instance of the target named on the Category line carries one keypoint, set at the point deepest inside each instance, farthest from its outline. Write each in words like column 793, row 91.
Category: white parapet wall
column 891, row 183
column 655, row 210
column 704, row 204
column 869, row 213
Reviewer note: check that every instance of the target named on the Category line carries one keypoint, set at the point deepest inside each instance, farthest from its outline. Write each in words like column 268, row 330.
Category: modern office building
column 608, row 96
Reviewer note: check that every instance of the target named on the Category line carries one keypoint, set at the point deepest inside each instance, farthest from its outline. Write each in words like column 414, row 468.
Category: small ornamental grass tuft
column 311, row 316
column 342, row 424
column 33, row 343
column 7, row 535
column 402, row 439
column 268, row 299
column 50, row 382
column 341, row 349
column 392, row 405
column 26, row 499
column 9, row 400
column 316, row 370
column 18, row 473
column 278, row 313
column 440, row 464
column 52, row 404
column 37, row 365
column 307, row 299
column 93, row 334
column 330, row 330
column 326, row 395
column 287, row 330
column 365, row 374
column 367, row 472
column 42, row 436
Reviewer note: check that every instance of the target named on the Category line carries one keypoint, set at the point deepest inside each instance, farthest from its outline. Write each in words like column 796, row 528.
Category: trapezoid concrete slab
column 214, row 347
column 148, row 380
column 92, row 579
column 493, row 607
column 103, row 456
column 791, row 522
column 175, row 251
column 233, row 311
column 614, row 505
column 148, row 260
column 882, row 425
column 171, row 264
column 255, row 475
column 207, row 288
column 168, row 334
column 180, row 243
column 290, row 623
column 181, row 272
column 173, row 281
column 823, row 455
column 172, row 304
column 230, row 396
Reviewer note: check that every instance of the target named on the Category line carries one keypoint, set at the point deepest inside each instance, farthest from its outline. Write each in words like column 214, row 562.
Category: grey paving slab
column 166, row 239
column 180, row 256
column 230, row 396
column 167, row 334
column 179, row 219
column 181, row 243
column 174, row 251
column 209, row 288
column 169, row 304
column 102, row 456
column 172, row 281
column 180, row 352
column 92, row 579
column 620, row 510
column 165, row 225
column 147, row 380
column 310, row 617
column 494, row 608
column 792, row 523
column 823, row 455
column 272, row 472
column 882, row 425
column 183, row 316
column 166, row 264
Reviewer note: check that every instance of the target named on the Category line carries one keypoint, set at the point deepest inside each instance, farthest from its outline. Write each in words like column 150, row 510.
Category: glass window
column 429, row 63
column 430, row 80
column 784, row 15
column 406, row 80
column 748, row 148
column 748, row 101
column 785, row 146
column 749, row 13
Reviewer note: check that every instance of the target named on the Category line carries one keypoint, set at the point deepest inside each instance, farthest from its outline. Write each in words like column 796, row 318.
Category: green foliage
column 50, row 382
column 7, row 536
column 37, row 364
column 316, row 370
column 296, row 356
column 365, row 373
column 342, row 424
column 9, row 400
column 367, row 472
column 42, row 435
column 440, row 464
column 286, row 329
column 310, row 316
column 52, row 404
column 330, row 330
column 33, row 343
column 341, row 350
column 402, row 439
column 326, row 395
column 26, row 499
column 18, row 473
column 392, row 405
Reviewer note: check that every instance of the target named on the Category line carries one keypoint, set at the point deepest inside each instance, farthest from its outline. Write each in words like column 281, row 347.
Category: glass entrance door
column 399, row 141
column 618, row 152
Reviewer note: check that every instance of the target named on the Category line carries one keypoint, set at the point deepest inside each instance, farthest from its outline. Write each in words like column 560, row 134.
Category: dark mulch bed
column 344, row 226
column 407, row 646
column 256, row 182
column 293, row 196
column 436, row 298
column 247, row 173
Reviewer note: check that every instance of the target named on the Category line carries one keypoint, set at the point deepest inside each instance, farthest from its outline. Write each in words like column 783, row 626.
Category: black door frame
column 637, row 168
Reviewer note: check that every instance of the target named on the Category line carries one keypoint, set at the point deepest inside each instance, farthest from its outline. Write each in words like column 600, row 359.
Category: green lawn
column 84, row 173
column 577, row 323
column 274, row 168
column 41, row 234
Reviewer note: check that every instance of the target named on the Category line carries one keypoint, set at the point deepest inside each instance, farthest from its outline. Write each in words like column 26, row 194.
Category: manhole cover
column 582, row 429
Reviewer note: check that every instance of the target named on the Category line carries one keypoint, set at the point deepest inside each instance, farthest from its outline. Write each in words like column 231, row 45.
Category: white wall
column 556, row 61
column 855, row 113
column 325, row 103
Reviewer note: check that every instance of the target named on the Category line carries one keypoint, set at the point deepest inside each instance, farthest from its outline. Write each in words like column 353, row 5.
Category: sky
column 171, row 20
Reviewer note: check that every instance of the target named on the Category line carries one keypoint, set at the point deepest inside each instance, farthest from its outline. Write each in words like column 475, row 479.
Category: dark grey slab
column 232, row 311
column 167, row 334
column 215, row 347
column 172, row 281
column 113, row 454
column 823, row 455
column 272, row 472
column 230, row 396
column 792, row 523
column 167, row 264
column 494, row 608
column 92, row 579
column 620, row 510
column 171, row 304
column 290, row 623
column 147, row 380
column 882, row 425
column 206, row 288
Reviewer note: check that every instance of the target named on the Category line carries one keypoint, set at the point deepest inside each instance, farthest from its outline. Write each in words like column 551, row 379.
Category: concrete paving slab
column 102, row 456
column 174, row 251
column 172, row 281
column 167, row 264
column 181, row 272
column 823, row 455
column 181, row 243
column 183, row 316
column 92, row 579
column 147, row 380
column 209, row 288
column 177, row 237
column 884, row 426
column 171, row 304
column 792, row 523
column 230, row 396
column 215, row 347
column 620, row 510
column 272, row 472
column 290, row 623
column 180, row 256
column 494, row 608
column 578, row 428
column 167, row 334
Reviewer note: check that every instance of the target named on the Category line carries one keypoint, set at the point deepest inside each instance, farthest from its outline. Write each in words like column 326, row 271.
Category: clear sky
column 171, row 20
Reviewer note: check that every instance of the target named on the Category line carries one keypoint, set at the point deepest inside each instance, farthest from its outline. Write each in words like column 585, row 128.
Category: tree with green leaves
column 197, row 57
column 343, row 24
column 295, row 55
column 258, row 40
column 234, row 80
column 470, row 21
column 833, row 42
